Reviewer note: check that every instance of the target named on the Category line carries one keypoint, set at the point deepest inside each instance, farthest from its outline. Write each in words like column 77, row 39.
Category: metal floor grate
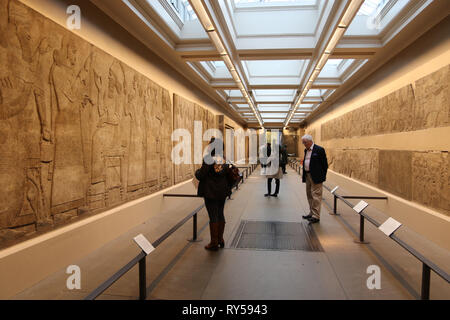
column 274, row 235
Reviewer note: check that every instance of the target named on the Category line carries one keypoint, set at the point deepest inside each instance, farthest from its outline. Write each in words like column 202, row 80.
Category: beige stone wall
column 223, row 123
column 291, row 139
column 420, row 105
column 80, row 130
column 391, row 134
column 418, row 176
column 185, row 113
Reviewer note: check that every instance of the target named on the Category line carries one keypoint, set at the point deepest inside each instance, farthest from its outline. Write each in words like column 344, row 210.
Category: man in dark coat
column 315, row 166
column 284, row 158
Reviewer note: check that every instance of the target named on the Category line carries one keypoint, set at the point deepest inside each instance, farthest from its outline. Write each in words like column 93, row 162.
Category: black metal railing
column 427, row 264
column 141, row 257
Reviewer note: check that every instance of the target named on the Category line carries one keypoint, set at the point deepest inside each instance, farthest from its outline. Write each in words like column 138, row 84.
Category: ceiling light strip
column 207, row 24
column 345, row 21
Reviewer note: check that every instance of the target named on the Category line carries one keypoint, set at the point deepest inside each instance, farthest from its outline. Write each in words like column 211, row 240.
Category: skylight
column 334, row 62
column 219, row 64
column 369, row 7
column 274, row 2
column 183, row 9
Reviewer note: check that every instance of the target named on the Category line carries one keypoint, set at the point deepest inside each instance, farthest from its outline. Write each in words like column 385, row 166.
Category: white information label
column 389, row 226
column 360, row 206
column 334, row 190
column 144, row 244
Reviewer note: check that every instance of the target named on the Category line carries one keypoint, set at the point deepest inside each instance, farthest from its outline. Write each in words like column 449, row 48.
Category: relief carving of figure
column 69, row 176
column 24, row 115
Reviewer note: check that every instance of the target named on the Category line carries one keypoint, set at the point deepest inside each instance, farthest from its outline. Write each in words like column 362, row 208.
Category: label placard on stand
column 360, row 206
column 389, row 226
column 143, row 243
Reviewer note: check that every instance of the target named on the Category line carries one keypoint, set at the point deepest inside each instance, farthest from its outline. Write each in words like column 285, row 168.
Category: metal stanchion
column 425, row 294
column 361, row 231
column 194, row 229
column 142, row 280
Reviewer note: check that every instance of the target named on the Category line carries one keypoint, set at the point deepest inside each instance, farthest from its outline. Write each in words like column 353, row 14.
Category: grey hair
column 307, row 137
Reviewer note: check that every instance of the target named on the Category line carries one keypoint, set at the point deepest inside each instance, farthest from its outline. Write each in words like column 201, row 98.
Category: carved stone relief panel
column 79, row 130
column 184, row 119
column 426, row 105
column 358, row 164
column 396, row 172
column 431, row 179
column 432, row 94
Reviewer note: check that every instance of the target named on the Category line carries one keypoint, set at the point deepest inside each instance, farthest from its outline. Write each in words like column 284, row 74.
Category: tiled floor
column 183, row 270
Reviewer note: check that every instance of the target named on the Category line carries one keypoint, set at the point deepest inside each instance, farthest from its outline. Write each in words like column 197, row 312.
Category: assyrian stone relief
column 418, row 176
column 422, row 177
column 395, row 172
column 185, row 113
column 424, row 105
column 431, row 179
column 358, row 164
column 80, row 131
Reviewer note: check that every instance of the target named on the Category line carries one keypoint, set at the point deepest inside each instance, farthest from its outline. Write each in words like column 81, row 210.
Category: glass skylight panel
column 183, row 9
column 233, row 93
column 219, row 64
column 314, row 93
column 369, row 7
column 273, row 115
column 273, row 68
column 274, row 2
column 273, row 120
column 274, row 92
column 305, row 106
column 333, row 62
column 273, row 108
column 217, row 71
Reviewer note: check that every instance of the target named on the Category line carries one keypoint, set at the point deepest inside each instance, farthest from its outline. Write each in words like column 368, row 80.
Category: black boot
column 221, row 242
column 269, row 187
column 214, row 232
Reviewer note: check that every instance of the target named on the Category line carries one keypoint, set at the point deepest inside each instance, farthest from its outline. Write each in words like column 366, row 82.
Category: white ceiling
column 274, row 45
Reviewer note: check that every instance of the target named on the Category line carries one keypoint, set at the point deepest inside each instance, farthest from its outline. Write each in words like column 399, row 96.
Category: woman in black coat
column 214, row 186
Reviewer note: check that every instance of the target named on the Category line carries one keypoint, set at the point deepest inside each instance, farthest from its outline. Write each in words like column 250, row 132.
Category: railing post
column 335, row 205
column 361, row 230
column 425, row 282
column 194, row 228
column 194, row 237
column 142, row 280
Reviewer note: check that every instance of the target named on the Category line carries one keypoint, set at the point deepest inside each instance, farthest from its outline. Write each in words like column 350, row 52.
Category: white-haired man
column 315, row 166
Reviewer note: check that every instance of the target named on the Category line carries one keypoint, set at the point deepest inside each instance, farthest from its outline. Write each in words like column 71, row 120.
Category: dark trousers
column 283, row 167
column 269, row 185
column 215, row 209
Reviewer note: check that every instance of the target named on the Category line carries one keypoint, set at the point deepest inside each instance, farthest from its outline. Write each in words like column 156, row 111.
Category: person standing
column 315, row 166
column 275, row 168
column 215, row 180
column 283, row 158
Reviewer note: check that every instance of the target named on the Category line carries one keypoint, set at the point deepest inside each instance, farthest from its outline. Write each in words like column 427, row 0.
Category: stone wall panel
column 395, row 172
column 80, row 131
column 431, row 179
